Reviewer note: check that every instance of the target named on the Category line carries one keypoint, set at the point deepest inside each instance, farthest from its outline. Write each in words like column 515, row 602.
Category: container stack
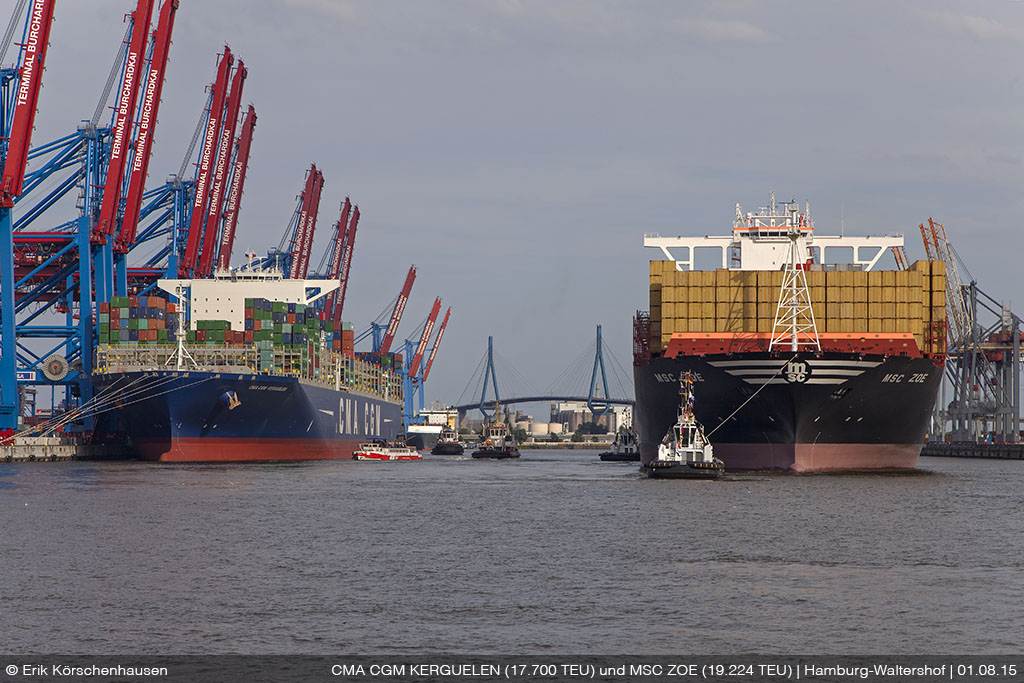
column 340, row 337
column 843, row 301
column 137, row 320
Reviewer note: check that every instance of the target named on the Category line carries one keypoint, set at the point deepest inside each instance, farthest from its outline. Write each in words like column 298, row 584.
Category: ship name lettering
column 893, row 377
column 664, row 377
column 919, row 377
column 683, row 670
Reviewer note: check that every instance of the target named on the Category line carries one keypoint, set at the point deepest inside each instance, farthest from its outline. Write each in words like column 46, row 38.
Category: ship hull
column 219, row 417
column 799, row 413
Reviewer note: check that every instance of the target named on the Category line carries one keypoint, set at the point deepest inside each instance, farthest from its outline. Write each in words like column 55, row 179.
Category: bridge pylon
column 597, row 407
column 489, row 374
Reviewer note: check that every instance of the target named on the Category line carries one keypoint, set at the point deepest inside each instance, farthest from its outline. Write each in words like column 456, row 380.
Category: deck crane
column 437, row 342
column 396, row 314
column 227, row 237
column 202, row 187
column 227, row 139
column 19, row 135
column 123, row 118
column 414, row 365
column 341, row 258
column 144, row 144
column 302, row 237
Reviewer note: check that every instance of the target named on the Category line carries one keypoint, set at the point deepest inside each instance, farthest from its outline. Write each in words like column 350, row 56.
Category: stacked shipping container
column 136, row 319
column 843, row 301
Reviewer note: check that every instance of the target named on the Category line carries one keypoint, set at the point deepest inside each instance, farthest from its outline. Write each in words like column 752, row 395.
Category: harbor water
column 554, row 553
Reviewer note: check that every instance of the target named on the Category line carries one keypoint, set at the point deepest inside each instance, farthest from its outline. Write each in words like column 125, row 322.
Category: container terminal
column 182, row 356
column 103, row 331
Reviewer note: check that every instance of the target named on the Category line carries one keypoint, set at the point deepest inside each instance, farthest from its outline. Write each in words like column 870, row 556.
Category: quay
column 967, row 449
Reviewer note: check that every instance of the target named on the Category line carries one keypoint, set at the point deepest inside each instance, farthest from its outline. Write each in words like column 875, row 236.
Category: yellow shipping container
column 875, row 325
column 815, row 278
column 833, row 325
column 902, row 278
column 860, row 324
column 766, row 309
column 888, row 278
column 668, row 310
column 847, row 325
column 708, row 324
column 682, row 310
column 767, row 294
column 939, row 298
column 681, row 325
column 938, row 268
column 728, row 310
column 860, row 311
column 764, row 324
column 750, row 309
column 655, row 312
column 728, row 294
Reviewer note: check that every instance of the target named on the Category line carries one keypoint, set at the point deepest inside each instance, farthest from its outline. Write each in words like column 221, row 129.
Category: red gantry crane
column 227, row 238
column 147, row 124
column 341, row 258
column 437, row 342
column 33, row 53
column 302, row 238
column 119, row 145
column 425, row 337
column 213, row 127
column 227, row 139
column 396, row 314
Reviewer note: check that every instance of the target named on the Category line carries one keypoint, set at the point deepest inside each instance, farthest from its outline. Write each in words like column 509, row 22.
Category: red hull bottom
column 821, row 457
column 245, row 450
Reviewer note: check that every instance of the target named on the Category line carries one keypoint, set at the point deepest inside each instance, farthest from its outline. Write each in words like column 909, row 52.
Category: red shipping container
column 248, row 335
column 291, row 318
column 158, row 303
column 256, row 327
column 133, row 301
column 172, row 307
column 104, row 307
column 248, row 314
column 201, row 335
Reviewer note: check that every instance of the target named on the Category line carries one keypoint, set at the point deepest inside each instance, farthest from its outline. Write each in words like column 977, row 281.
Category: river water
column 554, row 553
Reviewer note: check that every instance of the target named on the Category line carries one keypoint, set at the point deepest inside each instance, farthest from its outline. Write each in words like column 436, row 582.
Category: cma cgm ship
column 798, row 366
column 243, row 383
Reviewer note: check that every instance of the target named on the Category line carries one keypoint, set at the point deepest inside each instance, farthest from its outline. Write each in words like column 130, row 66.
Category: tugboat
column 624, row 449
column 685, row 453
column 448, row 443
column 386, row 450
column 498, row 443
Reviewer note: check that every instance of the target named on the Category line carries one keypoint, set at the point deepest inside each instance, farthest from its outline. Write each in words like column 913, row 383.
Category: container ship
column 800, row 363
column 253, row 375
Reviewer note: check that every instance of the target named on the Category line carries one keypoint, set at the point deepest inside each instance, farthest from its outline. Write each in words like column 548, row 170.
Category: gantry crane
column 342, row 244
column 187, row 266
column 227, row 239
column 396, row 315
column 302, row 236
column 227, row 140
column 22, row 98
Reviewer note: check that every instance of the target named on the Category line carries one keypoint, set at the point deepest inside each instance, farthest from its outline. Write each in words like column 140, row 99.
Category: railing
column 324, row 367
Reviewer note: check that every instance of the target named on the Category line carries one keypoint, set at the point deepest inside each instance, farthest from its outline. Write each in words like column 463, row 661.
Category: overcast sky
column 517, row 150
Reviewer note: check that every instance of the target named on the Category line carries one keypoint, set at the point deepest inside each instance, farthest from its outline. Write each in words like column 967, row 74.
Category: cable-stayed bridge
column 585, row 380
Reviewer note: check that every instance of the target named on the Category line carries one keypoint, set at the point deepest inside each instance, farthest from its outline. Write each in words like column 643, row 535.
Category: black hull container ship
column 797, row 366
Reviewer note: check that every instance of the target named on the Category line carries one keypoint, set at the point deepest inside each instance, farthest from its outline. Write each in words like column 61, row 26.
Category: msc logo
column 796, row 372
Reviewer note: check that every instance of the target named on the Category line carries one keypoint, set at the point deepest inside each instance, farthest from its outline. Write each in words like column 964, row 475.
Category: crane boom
column 396, row 314
column 213, row 124
column 147, row 124
column 302, row 243
column 425, row 337
column 37, row 37
column 123, row 116
column 956, row 307
column 346, row 263
column 337, row 251
column 437, row 342
column 227, row 139
column 227, row 238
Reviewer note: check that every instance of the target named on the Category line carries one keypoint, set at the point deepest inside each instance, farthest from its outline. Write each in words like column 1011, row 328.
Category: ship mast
column 794, row 316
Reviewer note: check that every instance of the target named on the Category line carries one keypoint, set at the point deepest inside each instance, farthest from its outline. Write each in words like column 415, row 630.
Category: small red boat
column 382, row 450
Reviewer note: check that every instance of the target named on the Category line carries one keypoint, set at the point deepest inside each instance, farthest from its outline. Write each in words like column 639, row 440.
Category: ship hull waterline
column 227, row 417
column 841, row 411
